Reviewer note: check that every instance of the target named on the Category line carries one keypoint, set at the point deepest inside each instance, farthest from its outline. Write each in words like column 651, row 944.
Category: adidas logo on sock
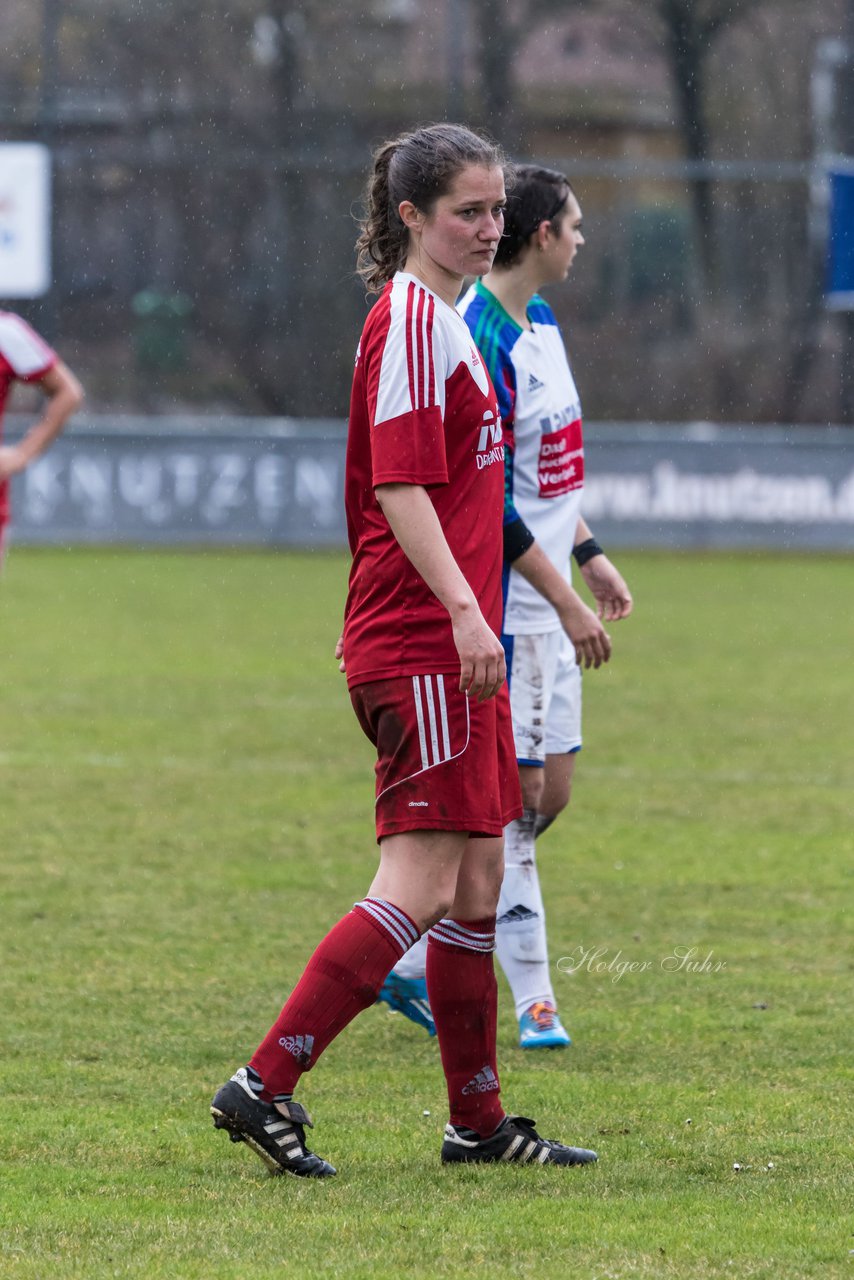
column 484, row 1082
column 299, row 1046
column 534, row 383
column 516, row 915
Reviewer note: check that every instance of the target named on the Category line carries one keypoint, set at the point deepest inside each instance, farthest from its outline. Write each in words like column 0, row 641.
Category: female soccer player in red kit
column 26, row 357
column 425, row 668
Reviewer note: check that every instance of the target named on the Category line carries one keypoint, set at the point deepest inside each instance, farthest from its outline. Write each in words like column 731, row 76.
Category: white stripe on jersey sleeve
column 394, row 397
column 426, row 359
column 22, row 346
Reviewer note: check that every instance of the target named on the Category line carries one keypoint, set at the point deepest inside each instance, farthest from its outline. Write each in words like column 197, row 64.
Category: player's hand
column 591, row 640
column 608, row 588
column 339, row 653
column 482, row 666
column 12, row 461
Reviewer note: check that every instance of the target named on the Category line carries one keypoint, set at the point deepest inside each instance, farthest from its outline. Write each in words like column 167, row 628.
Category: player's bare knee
column 437, row 911
column 553, row 806
column 532, row 782
column 490, row 893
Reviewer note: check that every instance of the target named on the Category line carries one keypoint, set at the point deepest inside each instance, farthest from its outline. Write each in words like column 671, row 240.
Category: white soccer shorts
column 545, row 695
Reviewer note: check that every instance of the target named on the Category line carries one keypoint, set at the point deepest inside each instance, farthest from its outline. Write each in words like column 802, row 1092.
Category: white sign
column 24, row 220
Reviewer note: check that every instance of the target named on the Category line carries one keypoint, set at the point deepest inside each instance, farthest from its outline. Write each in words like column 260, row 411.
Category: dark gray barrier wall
column 710, row 486
column 280, row 482
column 187, row 481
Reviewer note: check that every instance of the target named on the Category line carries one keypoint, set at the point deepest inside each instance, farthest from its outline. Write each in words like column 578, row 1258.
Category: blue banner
column 840, row 244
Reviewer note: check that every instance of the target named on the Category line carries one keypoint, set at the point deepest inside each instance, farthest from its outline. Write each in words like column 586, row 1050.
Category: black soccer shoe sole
column 277, row 1140
column 515, row 1141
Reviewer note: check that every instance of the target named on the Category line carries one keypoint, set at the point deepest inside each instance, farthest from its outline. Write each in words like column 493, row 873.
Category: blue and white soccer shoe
column 408, row 996
column 541, row 1028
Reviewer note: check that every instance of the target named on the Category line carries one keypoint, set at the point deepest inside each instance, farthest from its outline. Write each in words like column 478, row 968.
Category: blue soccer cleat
column 408, row 996
column 541, row 1028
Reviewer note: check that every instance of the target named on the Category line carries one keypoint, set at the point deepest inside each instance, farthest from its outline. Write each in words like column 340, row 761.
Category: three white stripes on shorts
column 435, row 720
column 434, row 736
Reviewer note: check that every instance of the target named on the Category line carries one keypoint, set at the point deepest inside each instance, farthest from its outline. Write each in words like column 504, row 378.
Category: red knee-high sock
column 341, row 979
column 464, row 999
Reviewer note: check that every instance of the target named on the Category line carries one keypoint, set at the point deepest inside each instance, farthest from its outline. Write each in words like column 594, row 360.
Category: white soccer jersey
column 544, row 450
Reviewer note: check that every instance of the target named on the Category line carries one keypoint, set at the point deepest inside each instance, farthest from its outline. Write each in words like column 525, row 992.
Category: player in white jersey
column 548, row 632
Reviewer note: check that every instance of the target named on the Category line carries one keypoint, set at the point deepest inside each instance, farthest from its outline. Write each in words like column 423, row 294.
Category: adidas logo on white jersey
column 299, row 1046
column 534, row 383
column 484, row 1082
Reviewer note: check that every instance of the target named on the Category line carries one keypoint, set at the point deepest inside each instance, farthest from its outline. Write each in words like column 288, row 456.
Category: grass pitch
column 186, row 807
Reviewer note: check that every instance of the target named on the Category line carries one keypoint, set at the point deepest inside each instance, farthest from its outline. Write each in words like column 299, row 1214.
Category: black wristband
column 517, row 539
column 586, row 550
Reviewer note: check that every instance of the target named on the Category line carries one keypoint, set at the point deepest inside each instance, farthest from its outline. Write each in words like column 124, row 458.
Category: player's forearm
column 536, row 568
column 64, row 396
column 582, row 531
column 42, row 433
column 415, row 524
column 592, row 644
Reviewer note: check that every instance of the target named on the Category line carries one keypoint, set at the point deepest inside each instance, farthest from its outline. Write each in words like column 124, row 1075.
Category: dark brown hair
column 538, row 195
column 419, row 166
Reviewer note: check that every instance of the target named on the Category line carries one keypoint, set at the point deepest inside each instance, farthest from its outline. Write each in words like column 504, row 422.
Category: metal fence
column 233, row 282
column 279, row 482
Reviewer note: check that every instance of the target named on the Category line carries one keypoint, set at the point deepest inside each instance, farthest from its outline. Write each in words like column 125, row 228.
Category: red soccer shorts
column 444, row 761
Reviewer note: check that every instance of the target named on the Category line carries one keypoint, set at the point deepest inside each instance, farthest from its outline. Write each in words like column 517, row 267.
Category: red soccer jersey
column 24, row 357
column 423, row 412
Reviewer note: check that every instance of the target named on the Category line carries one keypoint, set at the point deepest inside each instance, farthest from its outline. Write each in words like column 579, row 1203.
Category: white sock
column 413, row 963
column 520, row 934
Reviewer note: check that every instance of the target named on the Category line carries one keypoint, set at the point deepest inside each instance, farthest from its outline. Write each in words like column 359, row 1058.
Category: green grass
column 186, row 807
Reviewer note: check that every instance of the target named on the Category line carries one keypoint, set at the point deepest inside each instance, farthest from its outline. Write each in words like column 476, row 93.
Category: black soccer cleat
column 515, row 1141
column 276, row 1134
